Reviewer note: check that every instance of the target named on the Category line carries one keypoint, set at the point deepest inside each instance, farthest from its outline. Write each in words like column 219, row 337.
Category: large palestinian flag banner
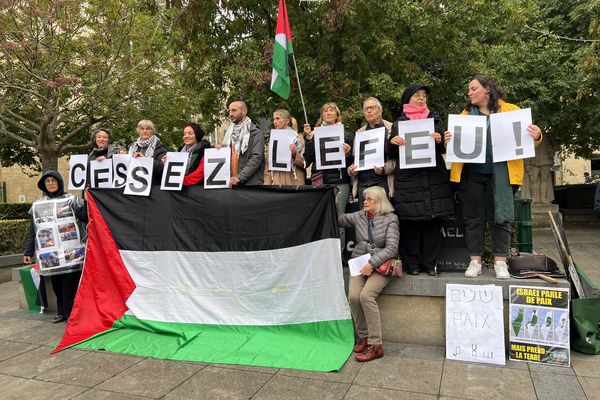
column 243, row 276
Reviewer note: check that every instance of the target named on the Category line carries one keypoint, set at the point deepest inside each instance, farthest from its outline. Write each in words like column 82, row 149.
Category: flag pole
column 300, row 88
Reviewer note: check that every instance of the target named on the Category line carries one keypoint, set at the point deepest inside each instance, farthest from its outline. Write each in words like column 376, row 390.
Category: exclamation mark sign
column 517, row 133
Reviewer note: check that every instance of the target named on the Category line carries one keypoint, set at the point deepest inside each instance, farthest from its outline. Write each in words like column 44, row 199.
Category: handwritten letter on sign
column 280, row 155
column 368, row 149
column 217, row 168
column 469, row 138
column 510, row 139
column 419, row 150
column 77, row 171
column 474, row 324
column 329, row 147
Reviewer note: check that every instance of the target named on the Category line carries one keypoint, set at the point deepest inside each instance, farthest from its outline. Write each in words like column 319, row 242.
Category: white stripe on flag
column 274, row 76
column 271, row 287
column 35, row 277
column 281, row 39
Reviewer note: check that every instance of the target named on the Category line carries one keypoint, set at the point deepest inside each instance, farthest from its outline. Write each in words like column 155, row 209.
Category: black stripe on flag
column 240, row 219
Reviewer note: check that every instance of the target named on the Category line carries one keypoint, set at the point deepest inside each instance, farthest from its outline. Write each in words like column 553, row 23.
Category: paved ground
column 406, row 372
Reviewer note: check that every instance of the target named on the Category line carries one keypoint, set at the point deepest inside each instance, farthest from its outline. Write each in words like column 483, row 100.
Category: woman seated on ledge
column 378, row 234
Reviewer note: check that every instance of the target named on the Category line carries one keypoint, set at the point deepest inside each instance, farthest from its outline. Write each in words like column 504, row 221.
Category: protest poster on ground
column 77, row 171
column 280, row 155
column 510, row 139
column 329, row 147
column 539, row 325
column 217, row 168
column 469, row 138
column 369, row 149
column 419, row 150
column 475, row 323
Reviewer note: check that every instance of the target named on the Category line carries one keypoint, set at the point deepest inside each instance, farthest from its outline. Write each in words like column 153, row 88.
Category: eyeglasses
column 368, row 199
column 370, row 108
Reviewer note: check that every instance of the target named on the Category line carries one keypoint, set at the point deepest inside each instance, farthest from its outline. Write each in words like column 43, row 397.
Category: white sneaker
column 501, row 270
column 474, row 269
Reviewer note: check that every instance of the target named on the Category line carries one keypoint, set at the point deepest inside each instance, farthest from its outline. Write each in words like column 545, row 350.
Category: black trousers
column 420, row 243
column 65, row 287
column 477, row 197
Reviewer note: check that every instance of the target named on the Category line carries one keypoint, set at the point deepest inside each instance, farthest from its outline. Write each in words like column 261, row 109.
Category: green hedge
column 12, row 236
column 14, row 210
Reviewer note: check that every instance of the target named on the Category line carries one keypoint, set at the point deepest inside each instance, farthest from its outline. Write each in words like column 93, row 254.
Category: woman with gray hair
column 377, row 234
column 149, row 145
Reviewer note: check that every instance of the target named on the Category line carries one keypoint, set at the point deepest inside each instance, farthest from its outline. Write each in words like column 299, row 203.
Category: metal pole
column 300, row 89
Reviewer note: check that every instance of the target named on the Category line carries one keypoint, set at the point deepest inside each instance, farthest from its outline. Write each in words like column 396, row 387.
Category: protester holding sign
column 283, row 120
column 379, row 175
column 194, row 145
column 422, row 196
column 56, row 239
column 247, row 144
column 149, row 145
column 486, row 190
column 330, row 115
column 377, row 234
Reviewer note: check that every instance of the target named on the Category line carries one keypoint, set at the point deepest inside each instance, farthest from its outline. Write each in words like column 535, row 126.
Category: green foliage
column 10, row 211
column 12, row 236
column 347, row 50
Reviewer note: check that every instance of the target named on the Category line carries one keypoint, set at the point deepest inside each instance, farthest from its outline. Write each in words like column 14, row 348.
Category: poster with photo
column 63, row 209
column 539, row 325
column 69, row 234
column 49, row 259
column 43, row 212
column 46, row 238
column 75, row 255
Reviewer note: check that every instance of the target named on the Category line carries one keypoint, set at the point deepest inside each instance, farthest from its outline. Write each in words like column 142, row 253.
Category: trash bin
column 523, row 225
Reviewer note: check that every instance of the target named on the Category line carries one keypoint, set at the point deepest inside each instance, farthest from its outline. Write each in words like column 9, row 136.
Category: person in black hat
column 422, row 195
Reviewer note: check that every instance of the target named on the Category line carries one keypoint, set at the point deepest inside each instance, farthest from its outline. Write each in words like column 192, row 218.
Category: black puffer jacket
column 422, row 193
column 330, row 176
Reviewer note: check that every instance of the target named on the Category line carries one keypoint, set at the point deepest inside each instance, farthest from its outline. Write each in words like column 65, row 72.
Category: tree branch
column 62, row 144
column 74, row 147
column 16, row 116
column 5, row 132
column 15, row 124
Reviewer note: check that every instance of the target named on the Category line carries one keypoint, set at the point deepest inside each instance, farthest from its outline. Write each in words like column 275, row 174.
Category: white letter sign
column 368, row 149
column 475, row 323
column 217, row 168
column 510, row 139
column 469, row 138
column 280, row 155
column 419, row 150
column 174, row 171
column 101, row 173
column 120, row 163
column 77, row 171
column 329, row 147
column 139, row 176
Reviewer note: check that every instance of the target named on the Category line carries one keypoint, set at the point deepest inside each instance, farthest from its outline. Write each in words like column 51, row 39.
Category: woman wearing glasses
column 422, row 196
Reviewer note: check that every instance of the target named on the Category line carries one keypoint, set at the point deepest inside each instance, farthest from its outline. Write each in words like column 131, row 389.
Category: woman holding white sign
column 486, row 190
column 377, row 235
column 194, row 145
column 282, row 119
column 422, row 196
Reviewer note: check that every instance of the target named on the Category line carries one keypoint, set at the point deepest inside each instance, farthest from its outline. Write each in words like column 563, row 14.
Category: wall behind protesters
column 21, row 182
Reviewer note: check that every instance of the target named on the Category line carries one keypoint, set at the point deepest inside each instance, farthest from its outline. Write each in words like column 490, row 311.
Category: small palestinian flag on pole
column 282, row 48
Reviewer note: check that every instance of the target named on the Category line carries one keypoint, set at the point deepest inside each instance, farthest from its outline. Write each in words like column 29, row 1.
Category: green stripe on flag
column 30, row 289
column 315, row 346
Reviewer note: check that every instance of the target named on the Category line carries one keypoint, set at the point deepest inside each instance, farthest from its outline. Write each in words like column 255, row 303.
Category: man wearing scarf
column 248, row 143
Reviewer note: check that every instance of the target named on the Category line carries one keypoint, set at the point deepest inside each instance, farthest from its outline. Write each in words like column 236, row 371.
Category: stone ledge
column 431, row 286
column 11, row 260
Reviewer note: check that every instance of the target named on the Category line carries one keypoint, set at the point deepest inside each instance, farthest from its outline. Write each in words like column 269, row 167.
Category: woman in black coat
column 422, row 195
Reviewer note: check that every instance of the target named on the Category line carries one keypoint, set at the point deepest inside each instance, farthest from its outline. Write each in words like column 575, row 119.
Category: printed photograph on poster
column 75, row 255
column 43, row 212
column 63, row 209
column 49, row 260
column 68, row 232
column 46, row 238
